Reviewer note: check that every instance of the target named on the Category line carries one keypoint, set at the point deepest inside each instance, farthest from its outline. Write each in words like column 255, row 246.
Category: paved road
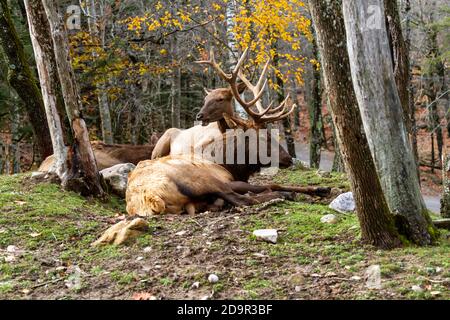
column 326, row 162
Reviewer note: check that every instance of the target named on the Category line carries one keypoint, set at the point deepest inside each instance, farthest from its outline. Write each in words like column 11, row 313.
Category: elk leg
column 190, row 208
column 236, row 199
column 244, row 187
column 162, row 147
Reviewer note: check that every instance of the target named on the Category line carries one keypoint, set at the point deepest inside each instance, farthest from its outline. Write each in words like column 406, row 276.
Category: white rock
column 139, row 258
column 269, row 172
column 195, row 285
column 181, row 233
column 344, row 203
column 373, row 277
column 37, row 174
column 147, row 249
column 12, row 249
column 117, row 177
column 212, row 278
column 416, row 289
column 10, row 259
column 435, row 293
column 355, row 278
column 329, row 218
column 268, row 235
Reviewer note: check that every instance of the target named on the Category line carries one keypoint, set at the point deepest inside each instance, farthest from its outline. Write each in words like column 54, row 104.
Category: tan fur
column 152, row 187
column 110, row 155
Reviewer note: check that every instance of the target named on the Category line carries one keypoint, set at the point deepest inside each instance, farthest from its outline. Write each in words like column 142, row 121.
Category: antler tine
column 281, row 106
column 212, row 62
column 279, row 116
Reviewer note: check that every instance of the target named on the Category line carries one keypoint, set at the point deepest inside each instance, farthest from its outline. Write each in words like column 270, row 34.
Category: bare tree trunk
column 382, row 116
column 175, row 97
column 338, row 163
column 23, row 81
column 48, row 76
column 233, row 54
column 377, row 224
column 85, row 177
column 412, row 108
column 103, row 104
column 315, row 116
column 445, row 201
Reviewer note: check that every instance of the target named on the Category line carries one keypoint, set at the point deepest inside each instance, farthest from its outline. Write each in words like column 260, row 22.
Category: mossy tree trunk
column 83, row 173
column 382, row 116
column 315, row 116
column 23, row 81
column 377, row 224
column 445, row 201
column 400, row 61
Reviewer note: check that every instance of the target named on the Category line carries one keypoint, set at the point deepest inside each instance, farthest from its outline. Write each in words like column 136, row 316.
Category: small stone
column 195, row 285
column 355, row 278
column 344, row 203
column 205, row 298
column 117, row 177
column 438, row 270
column 416, row 288
column 147, row 249
column 212, row 278
column 26, row 291
column 435, row 293
column 12, row 249
column 10, row 259
column 298, row 288
column 268, row 235
column 181, row 233
column 373, row 277
column 139, row 258
column 323, row 174
column 297, row 279
column 330, row 219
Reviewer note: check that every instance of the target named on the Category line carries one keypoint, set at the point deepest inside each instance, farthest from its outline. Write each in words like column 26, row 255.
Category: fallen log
column 442, row 223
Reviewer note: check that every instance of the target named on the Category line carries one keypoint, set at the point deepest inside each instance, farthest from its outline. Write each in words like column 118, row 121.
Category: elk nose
column 199, row 116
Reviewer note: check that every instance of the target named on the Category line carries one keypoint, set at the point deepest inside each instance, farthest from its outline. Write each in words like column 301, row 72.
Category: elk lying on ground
column 178, row 184
column 108, row 155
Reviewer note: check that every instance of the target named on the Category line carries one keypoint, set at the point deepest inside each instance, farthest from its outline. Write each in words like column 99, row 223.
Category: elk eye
column 220, row 100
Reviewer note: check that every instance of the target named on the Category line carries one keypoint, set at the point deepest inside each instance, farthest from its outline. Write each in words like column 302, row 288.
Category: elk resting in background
column 217, row 117
column 108, row 155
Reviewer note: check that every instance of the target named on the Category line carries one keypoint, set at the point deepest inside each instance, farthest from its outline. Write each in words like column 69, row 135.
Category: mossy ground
column 53, row 230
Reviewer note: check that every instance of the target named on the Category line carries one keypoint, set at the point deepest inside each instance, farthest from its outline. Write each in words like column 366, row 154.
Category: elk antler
column 263, row 115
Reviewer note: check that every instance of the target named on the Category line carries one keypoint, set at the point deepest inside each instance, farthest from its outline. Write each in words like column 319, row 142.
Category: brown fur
column 175, row 184
column 108, row 155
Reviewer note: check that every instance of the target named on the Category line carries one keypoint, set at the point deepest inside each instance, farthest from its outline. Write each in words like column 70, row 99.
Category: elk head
column 217, row 103
column 213, row 109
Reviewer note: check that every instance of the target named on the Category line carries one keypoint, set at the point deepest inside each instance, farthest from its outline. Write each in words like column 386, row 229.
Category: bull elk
column 175, row 181
column 218, row 117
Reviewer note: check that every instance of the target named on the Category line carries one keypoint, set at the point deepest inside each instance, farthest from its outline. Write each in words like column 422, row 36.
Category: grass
column 53, row 229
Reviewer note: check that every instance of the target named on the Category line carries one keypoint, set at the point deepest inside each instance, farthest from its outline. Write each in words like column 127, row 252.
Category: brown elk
column 108, row 155
column 217, row 116
column 180, row 182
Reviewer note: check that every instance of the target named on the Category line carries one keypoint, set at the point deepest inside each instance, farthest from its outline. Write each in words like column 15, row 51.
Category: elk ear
column 241, row 87
column 207, row 91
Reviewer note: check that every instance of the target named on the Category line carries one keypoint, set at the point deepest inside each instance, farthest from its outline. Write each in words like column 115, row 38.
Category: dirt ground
column 45, row 237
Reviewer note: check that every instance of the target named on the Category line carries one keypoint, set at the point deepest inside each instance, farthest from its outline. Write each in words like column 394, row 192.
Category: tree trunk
column 412, row 108
column 382, row 117
column 233, row 54
column 338, row 164
column 315, row 116
column 445, row 201
column 84, row 176
column 175, row 97
column 23, row 81
column 377, row 224
column 48, row 75
column 103, row 104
